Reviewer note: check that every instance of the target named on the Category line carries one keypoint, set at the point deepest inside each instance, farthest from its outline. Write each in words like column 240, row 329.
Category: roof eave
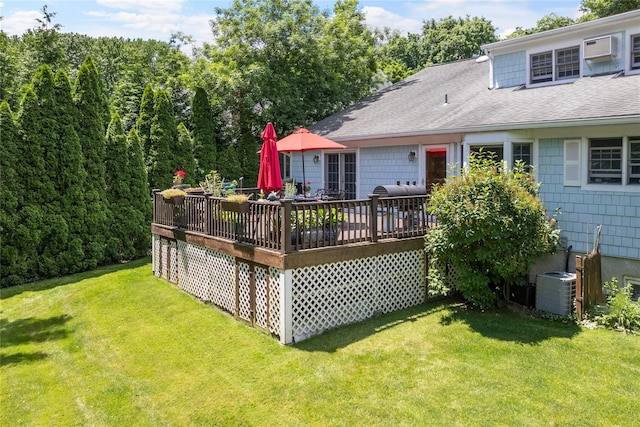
column 633, row 119
column 562, row 30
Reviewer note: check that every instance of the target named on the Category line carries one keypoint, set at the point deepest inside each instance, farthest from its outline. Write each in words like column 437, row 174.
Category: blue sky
column 157, row 19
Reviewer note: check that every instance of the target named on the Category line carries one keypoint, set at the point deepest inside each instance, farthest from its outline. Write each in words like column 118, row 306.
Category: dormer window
column 555, row 65
column 635, row 51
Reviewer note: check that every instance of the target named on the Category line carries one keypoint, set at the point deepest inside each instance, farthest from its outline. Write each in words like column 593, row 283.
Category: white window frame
column 554, row 79
column 608, row 156
column 572, row 166
column 506, row 141
column 634, row 52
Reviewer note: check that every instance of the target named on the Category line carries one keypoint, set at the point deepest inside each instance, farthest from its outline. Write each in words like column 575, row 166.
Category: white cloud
column 378, row 17
column 144, row 5
column 20, row 21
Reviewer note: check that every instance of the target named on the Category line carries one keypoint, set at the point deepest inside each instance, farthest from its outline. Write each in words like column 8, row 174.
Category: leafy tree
column 399, row 56
column 9, row 66
column 601, row 8
column 287, row 63
column 140, row 196
column 547, row 22
column 10, row 259
column 205, row 148
column 452, row 39
column 92, row 109
column 161, row 163
column 491, row 228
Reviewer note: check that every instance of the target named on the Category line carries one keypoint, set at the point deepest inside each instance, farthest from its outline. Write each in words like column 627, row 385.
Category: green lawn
column 119, row 347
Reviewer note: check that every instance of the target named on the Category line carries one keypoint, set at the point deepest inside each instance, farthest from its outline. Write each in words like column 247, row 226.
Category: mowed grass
column 119, row 347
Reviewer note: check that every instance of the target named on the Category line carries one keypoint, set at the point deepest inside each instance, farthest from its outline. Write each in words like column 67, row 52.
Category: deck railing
column 287, row 226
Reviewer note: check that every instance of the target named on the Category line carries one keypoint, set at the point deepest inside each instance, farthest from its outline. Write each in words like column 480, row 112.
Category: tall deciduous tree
column 92, row 111
column 601, row 8
column 161, row 165
column 205, row 148
column 452, row 39
column 287, row 63
column 547, row 22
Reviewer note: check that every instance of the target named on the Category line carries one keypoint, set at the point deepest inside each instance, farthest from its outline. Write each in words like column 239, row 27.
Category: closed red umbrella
column 302, row 140
column 269, row 178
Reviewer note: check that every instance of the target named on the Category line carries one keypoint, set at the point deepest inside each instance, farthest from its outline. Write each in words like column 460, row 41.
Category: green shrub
column 491, row 227
column 622, row 312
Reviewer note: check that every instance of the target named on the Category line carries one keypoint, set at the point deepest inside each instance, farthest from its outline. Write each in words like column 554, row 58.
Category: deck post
column 373, row 218
column 207, row 215
column 285, row 226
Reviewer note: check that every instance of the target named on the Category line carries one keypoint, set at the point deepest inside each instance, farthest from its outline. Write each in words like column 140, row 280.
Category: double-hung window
column 635, row 51
column 522, row 152
column 605, row 161
column 634, row 160
column 553, row 65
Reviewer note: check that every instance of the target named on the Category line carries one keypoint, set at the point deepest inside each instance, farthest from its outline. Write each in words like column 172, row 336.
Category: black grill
column 400, row 190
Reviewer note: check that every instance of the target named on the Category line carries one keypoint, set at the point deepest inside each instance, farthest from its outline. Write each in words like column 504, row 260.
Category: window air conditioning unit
column 601, row 48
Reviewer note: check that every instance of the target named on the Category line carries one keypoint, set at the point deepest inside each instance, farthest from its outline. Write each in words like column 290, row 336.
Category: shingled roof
column 416, row 105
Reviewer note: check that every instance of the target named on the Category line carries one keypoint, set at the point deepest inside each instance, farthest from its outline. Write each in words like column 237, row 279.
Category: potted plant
column 178, row 177
column 173, row 196
column 290, row 190
column 236, row 203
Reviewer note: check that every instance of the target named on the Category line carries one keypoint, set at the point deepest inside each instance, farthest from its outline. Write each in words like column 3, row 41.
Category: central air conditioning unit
column 555, row 292
column 601, row 48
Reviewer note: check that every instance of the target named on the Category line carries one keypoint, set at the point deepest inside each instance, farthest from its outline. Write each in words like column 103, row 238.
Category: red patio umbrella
column 302, row 140
column 269, row 178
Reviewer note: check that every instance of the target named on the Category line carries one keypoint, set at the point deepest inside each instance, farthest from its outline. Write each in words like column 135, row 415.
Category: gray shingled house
column 566, row 101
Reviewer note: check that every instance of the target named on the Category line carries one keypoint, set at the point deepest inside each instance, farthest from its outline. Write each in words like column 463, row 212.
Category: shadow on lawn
column 503, row 325
column 335, row 339
column 70, row 279
column 28, row 331
column 506, row 325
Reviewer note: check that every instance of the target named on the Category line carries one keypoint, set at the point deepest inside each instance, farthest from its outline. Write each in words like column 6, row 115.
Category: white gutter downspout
column 490, row 55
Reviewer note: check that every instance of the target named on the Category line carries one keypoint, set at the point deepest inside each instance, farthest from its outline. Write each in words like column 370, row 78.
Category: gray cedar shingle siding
column 416, row 104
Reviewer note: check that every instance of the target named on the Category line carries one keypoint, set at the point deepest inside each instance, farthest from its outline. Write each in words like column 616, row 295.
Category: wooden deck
column 288, row 226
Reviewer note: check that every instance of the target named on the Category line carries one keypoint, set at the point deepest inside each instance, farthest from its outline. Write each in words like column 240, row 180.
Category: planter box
column 175, row 200
column 235, row 207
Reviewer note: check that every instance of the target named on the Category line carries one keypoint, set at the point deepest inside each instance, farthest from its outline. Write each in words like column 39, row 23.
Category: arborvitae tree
column 70, row 177
column 205, row 149
column 140, row 196
column 119, row 244
column 145, row 118
column 183, row 153
column 91, row 104
column 161, row 166
column 29, row 166
column 9, row 188
column 229, row 164
column 54, row 229
column 249, row 160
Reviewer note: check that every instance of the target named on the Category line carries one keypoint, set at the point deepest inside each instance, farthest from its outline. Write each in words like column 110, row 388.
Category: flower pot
column 175, row 200
column 235, row 207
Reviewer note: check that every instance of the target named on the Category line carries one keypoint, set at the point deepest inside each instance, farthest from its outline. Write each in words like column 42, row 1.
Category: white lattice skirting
column 293, row 304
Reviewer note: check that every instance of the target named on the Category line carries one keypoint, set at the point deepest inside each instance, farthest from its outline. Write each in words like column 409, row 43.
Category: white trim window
column 554, row 65
column 635, row 52
column 522, row 151
column 605, row 161
column 634, row 160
